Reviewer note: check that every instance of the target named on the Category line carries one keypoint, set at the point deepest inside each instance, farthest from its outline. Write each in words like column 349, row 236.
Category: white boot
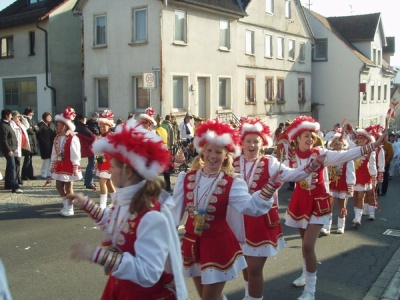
column 357, row 217
column 68, row 211
column 246, row 289
column 103, row 200
column 309, row 288
column 340, row 224
column 365, row 209
column 301, row 281
column 326, row 229
column 371, row 212
column 65, row 202
column 251, row 298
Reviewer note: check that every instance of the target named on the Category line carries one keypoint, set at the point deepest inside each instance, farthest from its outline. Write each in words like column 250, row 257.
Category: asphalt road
column 35, row 242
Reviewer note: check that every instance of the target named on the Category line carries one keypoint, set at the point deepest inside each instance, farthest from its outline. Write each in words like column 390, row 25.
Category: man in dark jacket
column 93, row 124
column 8, row 144
column 27, row 167
column 86, row 137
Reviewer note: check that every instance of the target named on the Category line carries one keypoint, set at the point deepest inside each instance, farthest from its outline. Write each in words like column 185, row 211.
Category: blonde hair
column 227, row 165
column 145, row 197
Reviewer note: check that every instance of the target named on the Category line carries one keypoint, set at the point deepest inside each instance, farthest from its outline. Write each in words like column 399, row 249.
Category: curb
column 387, row 285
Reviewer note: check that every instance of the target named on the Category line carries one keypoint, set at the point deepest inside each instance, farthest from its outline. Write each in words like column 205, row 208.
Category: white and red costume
column 140, row 251
column 66, row 154
column 310, row 201
column 211, row 250
column 103, row 159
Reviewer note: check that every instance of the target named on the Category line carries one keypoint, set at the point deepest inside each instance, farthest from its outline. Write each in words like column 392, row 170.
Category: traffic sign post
column 148, row 81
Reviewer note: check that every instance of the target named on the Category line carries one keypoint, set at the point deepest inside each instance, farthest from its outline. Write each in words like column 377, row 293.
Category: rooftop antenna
column 351, row 9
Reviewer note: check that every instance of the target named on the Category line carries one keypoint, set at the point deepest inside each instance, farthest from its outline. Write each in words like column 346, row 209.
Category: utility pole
column 309, row 4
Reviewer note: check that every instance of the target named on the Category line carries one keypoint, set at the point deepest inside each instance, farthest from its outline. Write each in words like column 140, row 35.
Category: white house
column 350, row 77
column 208, row 58
column 40, row 60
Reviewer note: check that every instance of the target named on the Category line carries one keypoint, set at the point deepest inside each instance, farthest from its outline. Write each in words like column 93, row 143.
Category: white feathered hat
column 67, row 117
column 136, row 146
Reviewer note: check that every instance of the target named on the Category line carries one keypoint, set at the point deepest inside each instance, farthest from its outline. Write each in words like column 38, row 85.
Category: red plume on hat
column 67, row 117
column 257, row 126
column 107, row 117
column 339, row 135
column 148, row 115
column 219, row 133
column 300, row 124
column 369, row 132
column 136, row 146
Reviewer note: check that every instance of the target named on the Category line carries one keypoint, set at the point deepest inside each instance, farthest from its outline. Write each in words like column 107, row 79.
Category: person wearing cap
column 186, row 130
column 65, row 158
column 367, row 169
column 263, row 234
column 328, row 136
column 147, row 120
column 140, row 245
column 208, row 193
column 278, row 132
column 342, row 178
column 310, row 208
column 103, row 164
column 93, row 123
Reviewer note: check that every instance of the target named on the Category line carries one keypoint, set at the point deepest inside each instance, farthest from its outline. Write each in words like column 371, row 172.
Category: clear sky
column 330, row 8
column 390, row 15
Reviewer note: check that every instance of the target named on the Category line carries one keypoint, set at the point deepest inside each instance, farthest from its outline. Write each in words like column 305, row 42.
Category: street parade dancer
column 66, row 158
column 309, row 208
column 106, row 122
column 140, row 249
column 263, row 234
column 366, row 177
column 342, row 178
column 211, row 251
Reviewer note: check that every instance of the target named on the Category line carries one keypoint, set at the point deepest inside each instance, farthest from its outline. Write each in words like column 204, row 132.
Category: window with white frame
column 139, row 24
column 249, row 42
column 268, row 46
column 100, row 32
column 250, row 89
column 374, row 55
column 379, row 91
column 7, row 47
column 224, row 34
column 20, row 92
column 280, row 47
column 141, row 96
column 372, row 90
column 224, row 92
column 301, row 90
column 280, row 93
column 269, row 6
column 379, row 57
column 291, row 49
column 288, row 9
column 31, row 43
column 102, row 92
column 320, row 50
column 180, row 26
column 269, row 89
column 385, row 91
column 302, row 52
column 179, row 91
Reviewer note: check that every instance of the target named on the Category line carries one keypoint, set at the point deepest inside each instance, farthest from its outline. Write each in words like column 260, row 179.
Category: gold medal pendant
column 199, row 221
column 303, row 184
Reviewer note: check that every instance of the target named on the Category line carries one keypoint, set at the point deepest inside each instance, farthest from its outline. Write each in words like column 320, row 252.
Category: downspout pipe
column 46, row 53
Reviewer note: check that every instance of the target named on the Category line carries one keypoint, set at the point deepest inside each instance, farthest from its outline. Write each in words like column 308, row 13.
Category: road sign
column 148, row 81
